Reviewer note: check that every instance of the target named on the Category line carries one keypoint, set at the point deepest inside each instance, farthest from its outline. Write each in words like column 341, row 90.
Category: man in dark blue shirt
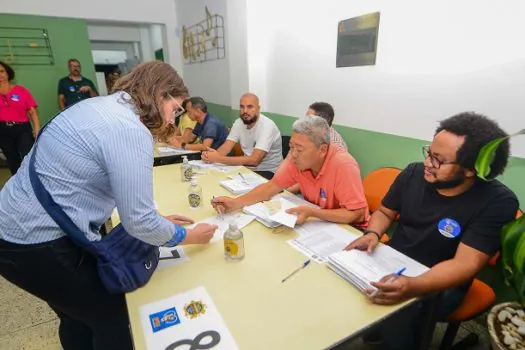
column 209, row 129
column 74, row 87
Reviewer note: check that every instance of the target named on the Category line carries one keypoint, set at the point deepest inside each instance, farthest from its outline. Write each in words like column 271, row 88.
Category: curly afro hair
column 478, row 131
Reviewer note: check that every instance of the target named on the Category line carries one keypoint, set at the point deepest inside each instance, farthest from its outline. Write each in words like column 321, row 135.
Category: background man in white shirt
column 259, row 137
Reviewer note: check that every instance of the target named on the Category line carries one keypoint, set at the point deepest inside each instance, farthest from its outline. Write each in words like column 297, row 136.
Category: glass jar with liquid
column 186, row 170
column 195, row 194
column 233, row 243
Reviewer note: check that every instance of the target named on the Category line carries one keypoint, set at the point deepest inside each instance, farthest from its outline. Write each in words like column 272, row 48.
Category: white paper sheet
column 319, row 239
column 282, row 216
column 185, row 321
column 199, row 164
column 223, row 222
column 170, row 150
column 242, row 184
column 171, row 256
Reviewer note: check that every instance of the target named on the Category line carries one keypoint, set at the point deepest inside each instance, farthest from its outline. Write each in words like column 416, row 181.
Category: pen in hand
column 390, row 280
column 218, row 208
column 306, row 263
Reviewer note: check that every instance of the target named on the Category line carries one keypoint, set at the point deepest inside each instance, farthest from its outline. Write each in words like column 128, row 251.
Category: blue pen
column 391, row 279
column 306, row 263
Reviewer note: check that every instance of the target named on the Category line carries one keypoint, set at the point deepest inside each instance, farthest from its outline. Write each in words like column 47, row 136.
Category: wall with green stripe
column 69, row 39
column 374, row 150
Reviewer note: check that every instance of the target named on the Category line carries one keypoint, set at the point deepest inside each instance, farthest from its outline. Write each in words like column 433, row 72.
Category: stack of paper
column 242, row 183
column 199, row 164
column 320, row 239
column 273, row 213
column 360, row 268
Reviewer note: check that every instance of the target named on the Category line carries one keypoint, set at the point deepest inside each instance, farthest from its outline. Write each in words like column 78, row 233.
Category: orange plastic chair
column 480, row 297
column 496, row 256
column 376, row 185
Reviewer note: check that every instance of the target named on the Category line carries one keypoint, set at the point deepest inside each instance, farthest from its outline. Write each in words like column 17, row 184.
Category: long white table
column 316, row 309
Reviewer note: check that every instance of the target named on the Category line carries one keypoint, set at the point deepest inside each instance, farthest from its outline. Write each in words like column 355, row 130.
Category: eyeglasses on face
column 436, row 163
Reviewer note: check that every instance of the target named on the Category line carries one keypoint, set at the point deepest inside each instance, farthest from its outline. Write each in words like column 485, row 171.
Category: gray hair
column 315, row 127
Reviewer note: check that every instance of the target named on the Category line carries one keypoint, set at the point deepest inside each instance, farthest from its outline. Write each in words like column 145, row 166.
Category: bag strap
column 52, row 208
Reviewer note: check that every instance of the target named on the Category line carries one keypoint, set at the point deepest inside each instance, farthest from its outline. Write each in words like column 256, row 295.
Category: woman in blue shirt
column 93, row 157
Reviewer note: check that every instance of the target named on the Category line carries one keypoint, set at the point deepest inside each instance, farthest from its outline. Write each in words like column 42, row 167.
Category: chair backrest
column 376, row 185
column 285, row 144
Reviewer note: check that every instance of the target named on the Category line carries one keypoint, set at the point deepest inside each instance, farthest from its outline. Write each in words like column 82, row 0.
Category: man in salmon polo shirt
column 327, row 177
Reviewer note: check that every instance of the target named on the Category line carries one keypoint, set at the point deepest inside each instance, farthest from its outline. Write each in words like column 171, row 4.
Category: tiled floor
column 27, row 323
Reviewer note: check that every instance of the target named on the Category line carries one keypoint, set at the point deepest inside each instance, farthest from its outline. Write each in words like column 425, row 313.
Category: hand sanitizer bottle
column 186, row 170
column 195, row 194
column 233, row 243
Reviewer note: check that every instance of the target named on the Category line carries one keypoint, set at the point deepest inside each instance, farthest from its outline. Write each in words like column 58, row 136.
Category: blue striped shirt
column 92, row 157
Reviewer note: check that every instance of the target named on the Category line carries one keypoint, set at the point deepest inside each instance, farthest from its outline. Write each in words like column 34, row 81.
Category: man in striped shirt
column 326, row 111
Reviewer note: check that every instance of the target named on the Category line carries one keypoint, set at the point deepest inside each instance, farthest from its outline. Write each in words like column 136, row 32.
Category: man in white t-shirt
column 259, row 137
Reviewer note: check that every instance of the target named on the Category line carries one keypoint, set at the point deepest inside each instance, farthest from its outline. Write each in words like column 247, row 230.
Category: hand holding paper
column 302, row 212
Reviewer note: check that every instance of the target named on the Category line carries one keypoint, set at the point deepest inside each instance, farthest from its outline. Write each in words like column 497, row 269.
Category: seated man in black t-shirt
column 450, row 220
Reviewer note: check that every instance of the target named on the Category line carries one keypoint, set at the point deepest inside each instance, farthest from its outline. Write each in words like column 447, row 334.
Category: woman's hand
column 200, row 234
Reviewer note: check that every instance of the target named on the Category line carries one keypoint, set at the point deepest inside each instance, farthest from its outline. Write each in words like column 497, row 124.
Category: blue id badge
column 164, row 319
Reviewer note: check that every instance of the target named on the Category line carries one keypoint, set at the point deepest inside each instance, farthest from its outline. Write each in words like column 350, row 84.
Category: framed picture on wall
column 357, row 41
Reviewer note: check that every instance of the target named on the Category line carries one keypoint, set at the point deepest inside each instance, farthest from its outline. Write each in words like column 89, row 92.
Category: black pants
column 399, row 332
column 65, row 277
column 16, row 141
column 266, row 174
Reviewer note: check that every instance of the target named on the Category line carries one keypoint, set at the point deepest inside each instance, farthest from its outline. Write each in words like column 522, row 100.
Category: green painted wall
column 69, row 39
column 374, row 150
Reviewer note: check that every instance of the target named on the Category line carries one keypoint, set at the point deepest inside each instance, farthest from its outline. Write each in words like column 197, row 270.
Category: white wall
column 109, row 56
column 210, row 79
column 237, row 50
column 145, row 44
column 154, row 11
column 113, row 32
column 156, row 34
column 434, row 59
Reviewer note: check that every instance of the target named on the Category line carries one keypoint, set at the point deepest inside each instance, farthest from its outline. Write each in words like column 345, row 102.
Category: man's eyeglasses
column 436, row 163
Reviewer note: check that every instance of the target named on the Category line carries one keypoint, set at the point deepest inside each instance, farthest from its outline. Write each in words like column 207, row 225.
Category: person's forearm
column 260, row 193
column 242, row 160
column 379, row 222
column 187, row 137
column 445, row 275
column 340, row 216
column 34, row 119
column 196, row 147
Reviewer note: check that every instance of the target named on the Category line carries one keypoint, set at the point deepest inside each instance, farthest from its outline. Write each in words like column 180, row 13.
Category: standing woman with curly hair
column 16, row 106
column 94, row 156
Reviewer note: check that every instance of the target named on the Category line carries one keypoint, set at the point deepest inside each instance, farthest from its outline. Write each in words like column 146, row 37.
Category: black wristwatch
column 183, row 145
column 374, row 232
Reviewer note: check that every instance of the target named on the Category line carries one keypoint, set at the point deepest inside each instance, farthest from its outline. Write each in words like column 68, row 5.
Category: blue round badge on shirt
column 449, row 228
column 15, row 97
column 72, row 88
